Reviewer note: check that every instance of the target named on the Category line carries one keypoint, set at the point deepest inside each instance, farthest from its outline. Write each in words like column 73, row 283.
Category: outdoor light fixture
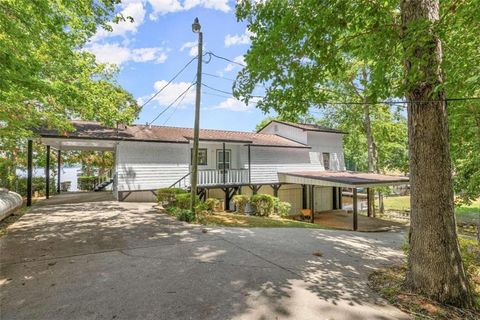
column 196, row 26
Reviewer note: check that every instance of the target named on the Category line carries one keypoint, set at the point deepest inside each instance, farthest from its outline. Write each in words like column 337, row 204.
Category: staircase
column 103, row 185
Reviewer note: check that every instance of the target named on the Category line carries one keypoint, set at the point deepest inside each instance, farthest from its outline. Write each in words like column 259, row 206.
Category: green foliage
column 240, row 201
column 185, row 215
column 263, row 204
column 38, row 186
column 283, row 208
column 201, row 207
column 213, row 204
column 183, row 200
column 86, row 182
column 167, row 196
column 47, row 77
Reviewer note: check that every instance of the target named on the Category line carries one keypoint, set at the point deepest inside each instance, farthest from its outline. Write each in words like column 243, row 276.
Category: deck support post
column 312, row 203
column 249, row 165
column 334, row 198
column 275, row 188
column 255, row 188
column 369, row 209
column 59, row 160
column 47, row 174
column 29, row 172
column 340, row 196
column 202, row 193
column 304, row 196
column 229, row 193
column 355, row 209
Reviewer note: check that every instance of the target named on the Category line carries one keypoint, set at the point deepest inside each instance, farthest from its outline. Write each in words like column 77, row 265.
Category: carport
column 339, row 180
column 55, row 142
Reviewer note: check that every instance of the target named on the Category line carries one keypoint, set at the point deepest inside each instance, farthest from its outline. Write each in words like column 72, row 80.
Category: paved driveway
column 111, row 260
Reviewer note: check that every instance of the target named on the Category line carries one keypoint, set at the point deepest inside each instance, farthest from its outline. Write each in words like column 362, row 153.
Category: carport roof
column 347, row 179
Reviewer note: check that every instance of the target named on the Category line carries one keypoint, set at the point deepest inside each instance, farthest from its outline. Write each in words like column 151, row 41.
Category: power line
column 225, row 78
column 210, row 53
column 218, row 90
column 169, row 82
column 171, row 104
column 179, row 102
column 216, row 95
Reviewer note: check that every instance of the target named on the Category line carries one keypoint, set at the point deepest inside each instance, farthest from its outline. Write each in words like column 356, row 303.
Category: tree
column 302, row 49
column 46, row 78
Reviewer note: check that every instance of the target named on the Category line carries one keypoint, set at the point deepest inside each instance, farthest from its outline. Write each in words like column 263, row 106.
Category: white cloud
column 231, row 66
column 233, row 40
column 192, row 48
column 235, row 105
column 171, row 92
column 161, row 7
column 115, row 53
column 134, row 9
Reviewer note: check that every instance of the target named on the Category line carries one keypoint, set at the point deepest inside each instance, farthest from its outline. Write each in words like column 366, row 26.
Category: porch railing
column 214, row 177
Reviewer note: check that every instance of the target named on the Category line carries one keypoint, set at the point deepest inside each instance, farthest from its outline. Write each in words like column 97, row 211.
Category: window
column 220, row 164
column 326, row 160
column 202, row 157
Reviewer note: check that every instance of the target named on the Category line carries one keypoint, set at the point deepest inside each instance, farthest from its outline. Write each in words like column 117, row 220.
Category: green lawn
column 237, row 220
column 464, row 213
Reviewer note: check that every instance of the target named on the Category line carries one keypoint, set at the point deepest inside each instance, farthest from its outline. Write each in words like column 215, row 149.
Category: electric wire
column 172, row 103
column 169, row 82
column 179, row 102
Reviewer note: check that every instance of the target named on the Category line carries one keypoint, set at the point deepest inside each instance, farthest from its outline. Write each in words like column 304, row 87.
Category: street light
column 196, row 27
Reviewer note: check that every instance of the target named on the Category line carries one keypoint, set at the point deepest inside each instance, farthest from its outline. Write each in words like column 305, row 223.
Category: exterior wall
column 286, row 131
column 267, row 161
column 323, row 198
column 326, row 142
column 149, row 166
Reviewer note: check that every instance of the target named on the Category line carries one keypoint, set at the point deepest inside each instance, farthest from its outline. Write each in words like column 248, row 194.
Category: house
column 281, row 159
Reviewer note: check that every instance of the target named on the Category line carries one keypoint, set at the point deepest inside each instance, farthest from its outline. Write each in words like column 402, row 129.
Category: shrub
column 240, row 201
column 183, row 200
column 167, row 196
column 263, row 204
column 38, row 185
column 86, row 182
column 185, row 215
column 283, row 208
column 201, row 206
column 172, row 211
column 213, row 204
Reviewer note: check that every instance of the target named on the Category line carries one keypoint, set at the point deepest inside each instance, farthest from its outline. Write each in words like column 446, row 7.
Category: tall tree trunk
column 370, row 155
column 434, row 264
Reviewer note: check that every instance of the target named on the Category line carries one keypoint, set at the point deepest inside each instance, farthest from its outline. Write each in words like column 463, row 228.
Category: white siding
column 286, row 131
column 327, row 142
column 323, row 198
column 267, row 161
column 149, row 166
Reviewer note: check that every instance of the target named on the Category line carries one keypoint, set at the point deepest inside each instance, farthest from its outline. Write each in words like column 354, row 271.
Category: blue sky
column 160, row 42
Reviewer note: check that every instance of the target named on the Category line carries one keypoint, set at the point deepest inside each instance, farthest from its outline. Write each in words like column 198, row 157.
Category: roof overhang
column 79, row 144
column 345, row 179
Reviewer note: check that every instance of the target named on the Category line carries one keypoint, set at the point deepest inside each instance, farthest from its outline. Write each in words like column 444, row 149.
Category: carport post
column 29, row 172
column 369, row 209
column 304, row 196
column 334, row 200
column 47, row 174
column 59, row 157
column 340, row 195
column 355, row 213
column 312, row 203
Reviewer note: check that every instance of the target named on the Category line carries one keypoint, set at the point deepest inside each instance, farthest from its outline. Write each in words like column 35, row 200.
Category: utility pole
column 196, row 130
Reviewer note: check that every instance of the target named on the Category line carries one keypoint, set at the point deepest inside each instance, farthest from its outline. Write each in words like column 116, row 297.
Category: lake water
column 67, row 174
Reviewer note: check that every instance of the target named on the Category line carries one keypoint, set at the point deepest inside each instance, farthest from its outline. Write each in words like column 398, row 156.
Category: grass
column 464, row 213
column 389, row 283
column 236, row 220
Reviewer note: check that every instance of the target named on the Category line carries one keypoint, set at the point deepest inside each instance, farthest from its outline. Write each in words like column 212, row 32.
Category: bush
column 167, row 196
column 263, row 204
column 185, row 215
column 213, row 204
column 172, row 211
column 240, row 201
column 38, row 185
column 86, row 183
column 283, row 208
column 183, row 200
column 201, row 207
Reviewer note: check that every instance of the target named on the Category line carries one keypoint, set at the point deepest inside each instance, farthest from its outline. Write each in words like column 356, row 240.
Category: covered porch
column 54, row 146
column 338, row 180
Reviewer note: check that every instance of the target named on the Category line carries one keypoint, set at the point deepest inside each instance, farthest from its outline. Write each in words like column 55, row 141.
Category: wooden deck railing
column 215, row 177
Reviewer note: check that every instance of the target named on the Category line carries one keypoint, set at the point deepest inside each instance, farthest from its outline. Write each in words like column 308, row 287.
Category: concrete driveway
column 103, row 259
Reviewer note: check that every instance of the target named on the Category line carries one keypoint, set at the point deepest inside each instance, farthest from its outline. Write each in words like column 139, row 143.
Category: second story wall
column 286, row 131
column 327, row 143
